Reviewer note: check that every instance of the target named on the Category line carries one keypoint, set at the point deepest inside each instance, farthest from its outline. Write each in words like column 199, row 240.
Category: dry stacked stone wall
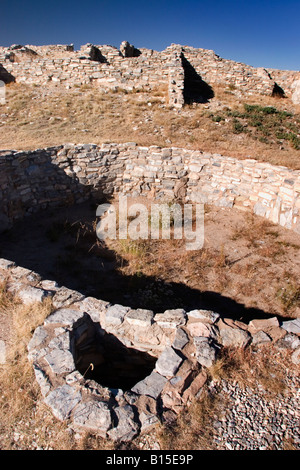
column 35, row 180
column 107, row 67
column 87, row 353
column 176, row 348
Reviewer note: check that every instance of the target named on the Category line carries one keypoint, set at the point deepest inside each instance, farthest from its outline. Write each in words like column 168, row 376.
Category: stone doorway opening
column 196, row 90
column 102, row 357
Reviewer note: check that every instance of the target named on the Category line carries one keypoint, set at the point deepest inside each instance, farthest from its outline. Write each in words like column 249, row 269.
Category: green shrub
column 238, row 126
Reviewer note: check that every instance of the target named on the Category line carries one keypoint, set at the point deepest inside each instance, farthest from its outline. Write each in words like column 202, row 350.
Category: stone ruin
column 117, row 372
column 2, row 92
column 189, row 73
column 107, row 368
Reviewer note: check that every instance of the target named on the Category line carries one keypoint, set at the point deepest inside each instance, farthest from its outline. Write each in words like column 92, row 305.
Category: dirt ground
column 247, row 268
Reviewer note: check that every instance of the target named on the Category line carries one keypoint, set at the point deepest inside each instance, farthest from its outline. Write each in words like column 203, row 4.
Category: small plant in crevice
column 289, row 296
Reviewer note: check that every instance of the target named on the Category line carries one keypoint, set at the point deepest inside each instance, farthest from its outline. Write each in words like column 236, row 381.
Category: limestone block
column 64, row 316
column 168, row 362
column 60, row 361
column 140, row 317
column 29, row 295
column 63, row 400
column 127, row 428
column 183, row 376
column 260, row 338
column 233, row 337
column 206, row 351
column 65, row 297
column 38, row 337
column 296, row 92
column 152, row 385
column 93, row 416
column 171, row 318
column 193, row 390
column 204, row 315
column 180, row 340
column 115, row 314
column 264, row 324
column 292, row 326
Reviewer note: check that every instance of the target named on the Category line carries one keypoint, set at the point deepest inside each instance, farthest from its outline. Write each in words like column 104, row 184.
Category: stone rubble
column 252, row 421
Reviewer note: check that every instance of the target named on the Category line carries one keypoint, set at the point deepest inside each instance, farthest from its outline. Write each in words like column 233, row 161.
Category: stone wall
column 183, row 346
column 107, row 67
column 35, row 180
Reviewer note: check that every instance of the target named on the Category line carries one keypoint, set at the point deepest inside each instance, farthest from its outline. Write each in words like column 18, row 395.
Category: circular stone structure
column 116, row 371
column 107, row 368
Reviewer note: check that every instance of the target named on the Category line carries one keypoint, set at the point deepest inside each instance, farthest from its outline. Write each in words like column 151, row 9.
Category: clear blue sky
column 264, row 33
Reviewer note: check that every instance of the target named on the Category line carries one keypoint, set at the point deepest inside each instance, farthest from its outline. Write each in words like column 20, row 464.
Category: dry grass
column 193, row 429
column 266, row 367
column 38, row 116
column 240, row 251
column 25, row 422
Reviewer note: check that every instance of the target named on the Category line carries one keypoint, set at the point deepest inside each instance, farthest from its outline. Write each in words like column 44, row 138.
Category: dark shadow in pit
column 196, row 90
column 102, row 357
column 61, row 245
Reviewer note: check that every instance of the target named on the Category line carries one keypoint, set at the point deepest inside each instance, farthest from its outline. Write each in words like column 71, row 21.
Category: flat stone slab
column 127, row 428
column 115, row 314
column 60, row 361
column 260, row 338
column 292, row 326
column 140, row 317
column 233, row 336
column 94, row 416
column 65, row 297
column 171, row 318
column 206, row 352
column 264, row 324
column 199, row 328
column 64, row 316
column 180, row 340
column 152, row 385
column 94, row 307
column 38, row 337
column 61, row 341
column 168, row 362
column 29, row 295
column 204, row 315
column 62, row 401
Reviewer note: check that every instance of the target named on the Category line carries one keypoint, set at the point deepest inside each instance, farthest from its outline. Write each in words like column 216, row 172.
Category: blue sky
column 263, row 33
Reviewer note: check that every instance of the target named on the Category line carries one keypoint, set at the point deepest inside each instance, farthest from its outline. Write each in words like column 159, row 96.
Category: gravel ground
column 254, row 422
column 250, row 419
